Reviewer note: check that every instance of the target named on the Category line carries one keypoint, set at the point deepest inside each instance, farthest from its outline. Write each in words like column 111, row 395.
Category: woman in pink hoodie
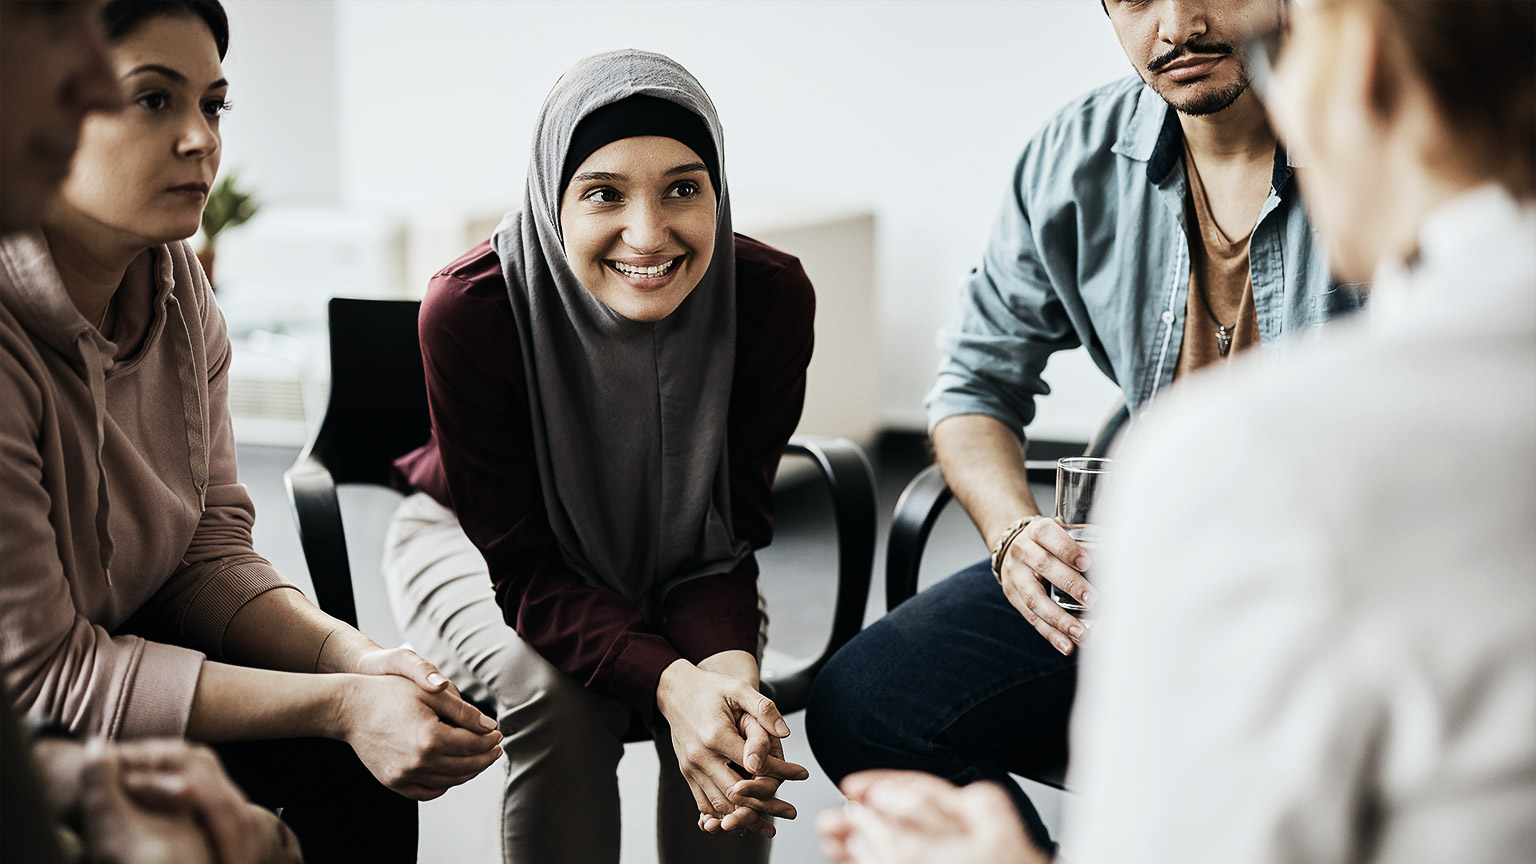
column 131, row 601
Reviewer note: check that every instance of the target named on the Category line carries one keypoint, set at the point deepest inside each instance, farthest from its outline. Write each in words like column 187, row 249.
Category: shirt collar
column 1153, row 135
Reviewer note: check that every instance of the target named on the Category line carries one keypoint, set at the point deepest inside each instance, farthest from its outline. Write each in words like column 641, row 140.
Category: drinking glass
column 1081, row 483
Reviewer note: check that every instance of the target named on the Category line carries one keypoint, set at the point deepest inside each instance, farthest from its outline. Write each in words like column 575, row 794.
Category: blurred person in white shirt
column 1334, row 661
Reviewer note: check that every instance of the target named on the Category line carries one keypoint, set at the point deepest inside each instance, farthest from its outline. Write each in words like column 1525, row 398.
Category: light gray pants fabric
column 562, row 742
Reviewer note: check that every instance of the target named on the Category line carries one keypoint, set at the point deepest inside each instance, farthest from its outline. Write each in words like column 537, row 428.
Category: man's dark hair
column 120, row 17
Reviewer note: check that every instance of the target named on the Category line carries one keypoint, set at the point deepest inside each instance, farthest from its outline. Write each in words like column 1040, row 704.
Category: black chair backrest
column 378, row 405
column 378, row 412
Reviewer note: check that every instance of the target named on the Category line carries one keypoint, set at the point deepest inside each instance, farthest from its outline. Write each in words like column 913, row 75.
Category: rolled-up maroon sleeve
column 776, row 311
column 483, row 442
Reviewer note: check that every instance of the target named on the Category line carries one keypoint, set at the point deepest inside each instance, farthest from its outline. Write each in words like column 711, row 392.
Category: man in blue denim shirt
column 1156, row 223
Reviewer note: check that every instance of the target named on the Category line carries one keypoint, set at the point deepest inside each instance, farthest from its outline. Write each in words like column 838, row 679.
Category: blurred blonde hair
column 1477, row 60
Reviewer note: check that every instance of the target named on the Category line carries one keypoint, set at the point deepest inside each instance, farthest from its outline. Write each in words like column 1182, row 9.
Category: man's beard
column 1209, row 103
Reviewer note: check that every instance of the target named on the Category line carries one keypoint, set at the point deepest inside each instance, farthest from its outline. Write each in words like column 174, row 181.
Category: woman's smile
column 648, row 273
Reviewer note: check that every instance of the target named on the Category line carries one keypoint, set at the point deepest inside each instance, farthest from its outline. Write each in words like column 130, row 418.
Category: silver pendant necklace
column 1223, row 332
column 1223, row 339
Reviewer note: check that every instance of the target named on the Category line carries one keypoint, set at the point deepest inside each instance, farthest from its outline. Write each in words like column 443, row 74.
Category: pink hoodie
column 125, row 535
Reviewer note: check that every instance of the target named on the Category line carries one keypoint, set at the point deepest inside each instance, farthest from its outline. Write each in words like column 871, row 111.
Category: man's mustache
column 1214, row 49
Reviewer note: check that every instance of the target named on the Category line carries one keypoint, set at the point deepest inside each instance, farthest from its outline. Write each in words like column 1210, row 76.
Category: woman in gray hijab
column 613, row 377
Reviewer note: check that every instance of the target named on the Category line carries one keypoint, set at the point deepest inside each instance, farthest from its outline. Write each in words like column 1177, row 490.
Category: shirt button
column 1167, row 317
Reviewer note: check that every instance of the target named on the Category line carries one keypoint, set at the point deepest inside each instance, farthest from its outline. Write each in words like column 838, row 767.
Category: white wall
column 915, row 111
column 283, row 134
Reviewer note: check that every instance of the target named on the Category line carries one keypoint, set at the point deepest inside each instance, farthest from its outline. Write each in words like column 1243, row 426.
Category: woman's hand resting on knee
column 404, row 719
column 417, row 742
column 726, row 737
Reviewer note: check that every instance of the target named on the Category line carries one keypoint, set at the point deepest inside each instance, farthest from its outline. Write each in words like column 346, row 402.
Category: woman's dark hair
column 120, row 17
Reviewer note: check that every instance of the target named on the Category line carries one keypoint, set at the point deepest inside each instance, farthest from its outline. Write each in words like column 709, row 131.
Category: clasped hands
column 906, row 817
column 411, row 727
column 157, row 800
column 727, row 738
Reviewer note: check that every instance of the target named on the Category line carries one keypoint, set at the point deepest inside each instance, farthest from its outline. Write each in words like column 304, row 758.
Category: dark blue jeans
column 339, row 812
column 953, row 682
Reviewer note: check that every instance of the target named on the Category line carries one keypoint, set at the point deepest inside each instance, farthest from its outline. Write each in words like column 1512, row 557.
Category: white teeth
column 643, row 272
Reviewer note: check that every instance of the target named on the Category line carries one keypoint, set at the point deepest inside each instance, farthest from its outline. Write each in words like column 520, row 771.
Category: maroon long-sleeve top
column 480, row 462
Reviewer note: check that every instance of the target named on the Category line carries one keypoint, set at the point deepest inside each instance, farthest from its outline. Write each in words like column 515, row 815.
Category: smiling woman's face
column 142, row 175
column 639, row 224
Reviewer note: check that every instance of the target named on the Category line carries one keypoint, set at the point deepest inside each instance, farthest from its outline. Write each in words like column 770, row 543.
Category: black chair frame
column 378, row 411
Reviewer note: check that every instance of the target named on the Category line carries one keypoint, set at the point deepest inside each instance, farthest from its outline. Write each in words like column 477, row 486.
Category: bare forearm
column 983, row 463
column 283, row 630
column 238, row 703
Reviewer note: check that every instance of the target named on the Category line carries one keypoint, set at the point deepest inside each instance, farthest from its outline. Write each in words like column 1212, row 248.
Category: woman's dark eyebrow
column 161, row 69
column 688, row 168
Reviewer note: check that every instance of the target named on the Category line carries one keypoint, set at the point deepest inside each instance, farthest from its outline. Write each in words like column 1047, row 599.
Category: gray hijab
column 629, row 418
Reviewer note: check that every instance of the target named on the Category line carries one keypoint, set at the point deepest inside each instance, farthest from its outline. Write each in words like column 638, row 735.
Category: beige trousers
column 562, row 742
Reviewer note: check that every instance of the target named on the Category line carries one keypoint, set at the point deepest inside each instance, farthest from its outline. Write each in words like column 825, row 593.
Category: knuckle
column 1029, row 553
column 1032, row 587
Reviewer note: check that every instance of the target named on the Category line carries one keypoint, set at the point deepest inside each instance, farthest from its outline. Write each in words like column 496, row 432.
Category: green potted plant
column 227, row 207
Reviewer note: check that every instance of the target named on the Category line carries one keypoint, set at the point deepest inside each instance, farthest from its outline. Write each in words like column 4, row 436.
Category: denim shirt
column 1091, row 249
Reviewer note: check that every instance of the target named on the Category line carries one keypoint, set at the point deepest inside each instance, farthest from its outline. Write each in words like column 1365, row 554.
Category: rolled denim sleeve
column 1008, row 322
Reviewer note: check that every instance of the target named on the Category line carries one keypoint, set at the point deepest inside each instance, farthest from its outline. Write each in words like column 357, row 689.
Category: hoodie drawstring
column 191, row 402
column 96, row 379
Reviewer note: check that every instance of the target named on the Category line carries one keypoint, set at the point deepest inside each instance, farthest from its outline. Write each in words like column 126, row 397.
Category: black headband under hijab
column 633, row 117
